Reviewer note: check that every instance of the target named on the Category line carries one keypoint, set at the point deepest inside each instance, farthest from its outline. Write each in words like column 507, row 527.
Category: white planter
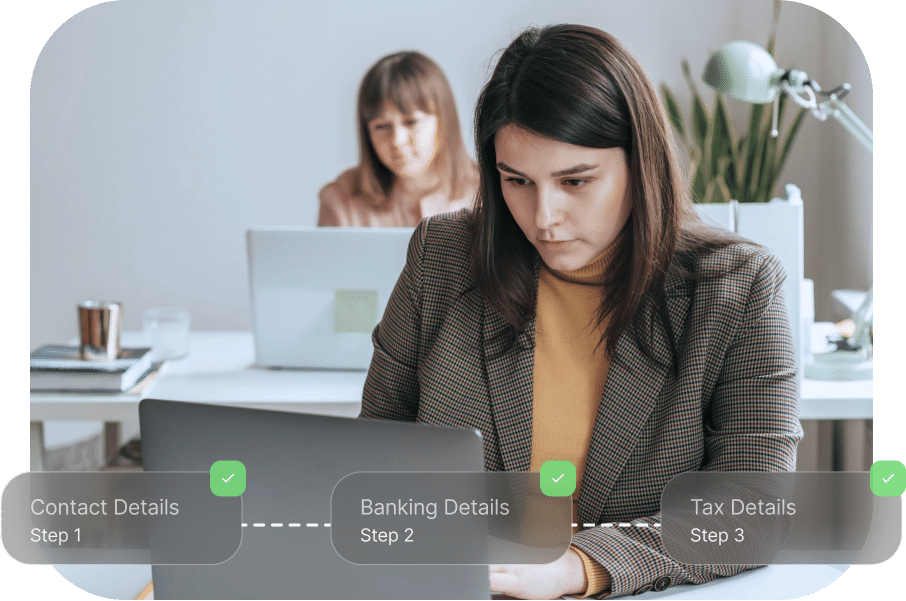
column 719, row 215
column 778, row 226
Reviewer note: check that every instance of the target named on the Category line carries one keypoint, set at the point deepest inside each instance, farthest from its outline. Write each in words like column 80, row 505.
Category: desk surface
column 771, row 582
column 220, row 368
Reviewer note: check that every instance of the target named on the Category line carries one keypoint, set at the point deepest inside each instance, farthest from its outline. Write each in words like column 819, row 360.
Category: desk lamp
column 748, row 72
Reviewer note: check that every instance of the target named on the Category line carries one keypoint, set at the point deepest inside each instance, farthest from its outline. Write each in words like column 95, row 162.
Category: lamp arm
column 836, row 108
column 796, row 82
column 863, row 319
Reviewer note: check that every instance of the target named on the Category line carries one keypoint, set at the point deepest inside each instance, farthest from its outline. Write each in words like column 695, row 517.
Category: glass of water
column 167, row 331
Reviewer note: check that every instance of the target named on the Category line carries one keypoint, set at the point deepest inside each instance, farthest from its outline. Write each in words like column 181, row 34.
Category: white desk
column 771, row 582
column 220, row 368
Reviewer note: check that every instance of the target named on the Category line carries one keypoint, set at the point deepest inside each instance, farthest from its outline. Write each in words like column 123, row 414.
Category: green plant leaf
column 716, row 192
column 724, row 191
column 788, row 142
column 699, row 111
column 687, row 73
column 751, row 154
column 699, row 122
column 722, row 138
column 735, row 183
column 709, row 192
column 781, row 109
column 673, row 111
column 699, row 184
column 768, row 175
column 721, row 192
column 734, row 171
column 759, row 152
column 790, row 136
column 709, row 160
column 768, row 181
column 775, row 21
column 729, row 173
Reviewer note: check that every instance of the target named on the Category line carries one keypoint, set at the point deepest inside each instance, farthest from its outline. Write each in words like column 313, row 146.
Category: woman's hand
column 565, row 576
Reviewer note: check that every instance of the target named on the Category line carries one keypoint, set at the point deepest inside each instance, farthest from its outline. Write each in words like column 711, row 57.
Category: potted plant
column 725, row 167
column 734, row 179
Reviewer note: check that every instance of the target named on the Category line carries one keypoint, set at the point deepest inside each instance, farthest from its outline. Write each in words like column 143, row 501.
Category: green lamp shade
column 744, row 70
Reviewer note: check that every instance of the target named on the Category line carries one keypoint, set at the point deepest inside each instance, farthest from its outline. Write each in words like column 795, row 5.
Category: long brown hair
column 581, row 86
column 411, row 81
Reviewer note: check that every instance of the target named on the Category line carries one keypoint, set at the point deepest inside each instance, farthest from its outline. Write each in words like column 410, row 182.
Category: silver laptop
column 292, row 462
column 317, row 293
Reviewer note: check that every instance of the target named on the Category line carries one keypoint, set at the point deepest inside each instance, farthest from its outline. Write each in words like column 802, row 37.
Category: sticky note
column 355, row 311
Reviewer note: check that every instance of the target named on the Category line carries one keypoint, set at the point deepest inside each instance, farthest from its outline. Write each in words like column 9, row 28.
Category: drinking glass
column 167, row 330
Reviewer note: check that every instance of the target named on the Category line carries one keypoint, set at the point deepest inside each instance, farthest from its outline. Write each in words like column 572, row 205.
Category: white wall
column 162, row 129
column 839, row 226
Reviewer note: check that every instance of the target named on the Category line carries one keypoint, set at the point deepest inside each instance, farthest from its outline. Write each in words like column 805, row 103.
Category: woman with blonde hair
column 412, row 161
column 582, row 312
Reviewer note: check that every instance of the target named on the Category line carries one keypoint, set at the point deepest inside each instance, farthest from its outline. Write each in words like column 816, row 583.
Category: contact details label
column 114, row 517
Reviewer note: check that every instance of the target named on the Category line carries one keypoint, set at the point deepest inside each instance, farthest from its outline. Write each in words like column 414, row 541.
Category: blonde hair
column 411, row 81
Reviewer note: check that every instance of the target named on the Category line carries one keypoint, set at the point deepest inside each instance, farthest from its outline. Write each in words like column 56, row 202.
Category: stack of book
column 60, row 369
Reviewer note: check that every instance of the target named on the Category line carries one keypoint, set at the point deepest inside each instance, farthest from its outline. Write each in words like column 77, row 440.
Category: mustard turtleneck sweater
column 569, row 375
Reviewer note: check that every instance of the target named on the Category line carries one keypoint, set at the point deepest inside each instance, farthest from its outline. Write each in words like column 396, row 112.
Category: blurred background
column 160, row 131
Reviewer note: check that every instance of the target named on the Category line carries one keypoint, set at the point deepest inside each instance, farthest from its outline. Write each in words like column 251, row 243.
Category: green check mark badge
column 558, row 478
column 227, row 478
column 887, row 478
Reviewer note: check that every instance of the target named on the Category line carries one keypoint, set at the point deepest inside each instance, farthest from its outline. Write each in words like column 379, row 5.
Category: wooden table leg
column 36, row 445
column 111, row 441
column 852, row 445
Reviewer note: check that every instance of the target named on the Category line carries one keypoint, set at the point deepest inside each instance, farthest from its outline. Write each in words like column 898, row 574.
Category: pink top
column 340, row 207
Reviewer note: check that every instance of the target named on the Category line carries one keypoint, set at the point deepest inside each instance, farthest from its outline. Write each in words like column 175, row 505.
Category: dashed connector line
column 280, row 525
column 327, row 525
column 621, row 525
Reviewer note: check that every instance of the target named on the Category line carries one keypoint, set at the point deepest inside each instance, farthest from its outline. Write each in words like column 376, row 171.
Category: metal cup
column 100, row 323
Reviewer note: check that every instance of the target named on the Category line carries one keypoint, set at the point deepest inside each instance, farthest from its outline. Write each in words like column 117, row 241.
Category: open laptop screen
column 293, row 461
column 317, row 293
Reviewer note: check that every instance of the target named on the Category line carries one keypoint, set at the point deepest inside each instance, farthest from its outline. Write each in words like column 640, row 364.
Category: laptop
column 293, row 461
column 317, row 293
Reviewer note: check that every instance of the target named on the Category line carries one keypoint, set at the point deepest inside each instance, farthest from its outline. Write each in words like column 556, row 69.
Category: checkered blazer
column 732, row 404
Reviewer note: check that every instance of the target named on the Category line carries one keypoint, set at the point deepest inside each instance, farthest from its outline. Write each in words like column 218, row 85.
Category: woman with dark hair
column 412, row 161
column 582, row 312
